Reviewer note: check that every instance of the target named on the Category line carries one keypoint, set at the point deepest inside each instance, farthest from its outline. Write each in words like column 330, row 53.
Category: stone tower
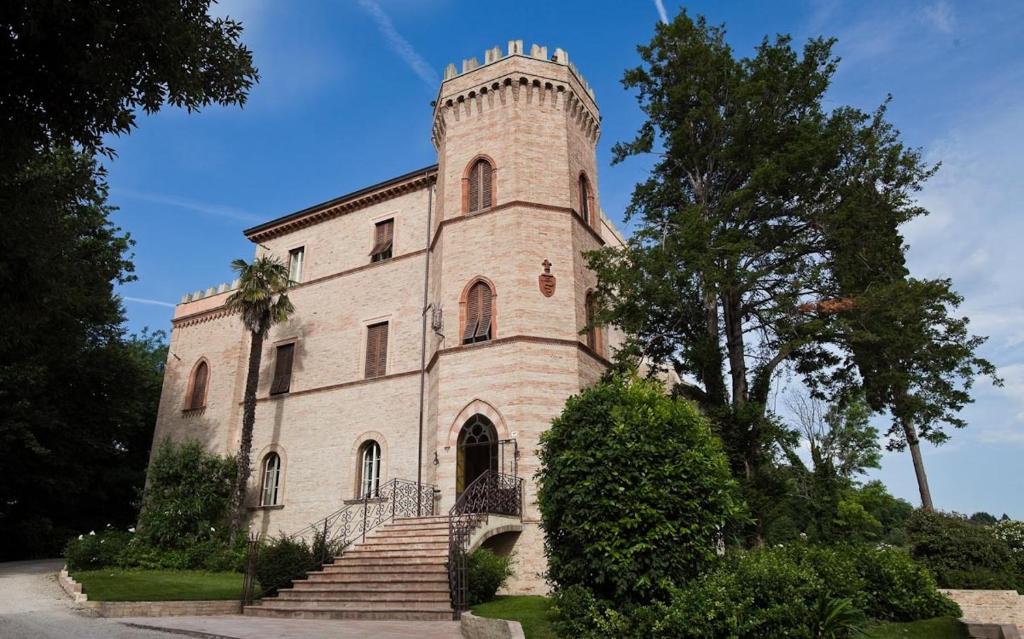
column 528, row 124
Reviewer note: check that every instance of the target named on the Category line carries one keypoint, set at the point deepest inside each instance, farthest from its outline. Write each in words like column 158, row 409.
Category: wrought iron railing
column 492, row 493
column 329, row 537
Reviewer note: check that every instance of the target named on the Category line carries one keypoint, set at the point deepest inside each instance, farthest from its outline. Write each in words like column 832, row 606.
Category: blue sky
column 344, row 102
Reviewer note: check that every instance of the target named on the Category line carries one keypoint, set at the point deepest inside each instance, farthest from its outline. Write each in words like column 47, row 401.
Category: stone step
column 383, row 544
column 438, row 584
column 306, row 604
column 365, row 595
column 411, row 555
column 385, row 538
column 406, row 615
column 364, row 566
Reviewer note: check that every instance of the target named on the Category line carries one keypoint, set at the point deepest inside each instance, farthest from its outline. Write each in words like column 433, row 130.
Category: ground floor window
column 271, row 479
column 369, row 475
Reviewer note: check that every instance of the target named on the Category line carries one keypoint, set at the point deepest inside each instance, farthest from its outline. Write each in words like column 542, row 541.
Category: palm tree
column 262, row 300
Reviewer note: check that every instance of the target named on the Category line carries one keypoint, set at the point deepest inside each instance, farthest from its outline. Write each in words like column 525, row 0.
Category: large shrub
column 96, row 550
column 486, row 572
column 187, row 496
column 634, row 491
column 962, row 554
column 281, row 561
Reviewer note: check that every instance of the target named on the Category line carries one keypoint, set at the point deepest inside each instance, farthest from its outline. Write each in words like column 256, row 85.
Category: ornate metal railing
column 330, row 536
column 491, row 493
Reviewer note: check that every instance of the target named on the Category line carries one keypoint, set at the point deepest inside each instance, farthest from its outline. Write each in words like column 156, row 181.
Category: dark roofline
column 338, row 200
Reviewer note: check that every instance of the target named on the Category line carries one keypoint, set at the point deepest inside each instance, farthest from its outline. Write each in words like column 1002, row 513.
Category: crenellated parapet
column 210, row 292
column 516, row 78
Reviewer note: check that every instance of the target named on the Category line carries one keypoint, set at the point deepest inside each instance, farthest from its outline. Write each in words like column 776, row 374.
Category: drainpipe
column 423, row 354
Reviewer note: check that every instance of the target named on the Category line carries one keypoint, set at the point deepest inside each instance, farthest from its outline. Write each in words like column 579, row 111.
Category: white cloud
column 145, row 300
column 400, row 45
column 660, row 4
column 191, row 205
column 940, row 16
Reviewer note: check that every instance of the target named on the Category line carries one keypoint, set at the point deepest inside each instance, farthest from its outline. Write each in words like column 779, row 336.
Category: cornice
column 465, row 217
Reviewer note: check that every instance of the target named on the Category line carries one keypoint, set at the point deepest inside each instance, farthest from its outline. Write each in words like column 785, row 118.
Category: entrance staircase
column 398, row 572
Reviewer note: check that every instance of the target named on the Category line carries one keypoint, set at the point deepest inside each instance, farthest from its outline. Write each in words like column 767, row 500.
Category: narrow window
column 200, row 377
column 295, row 257
column 585, row 199
column 283, row 369
column 369, row 477
column 376, row 349
column 479, row 304
column 593, row 330
column 383, row 239
column 480, row 187
column 271, row 479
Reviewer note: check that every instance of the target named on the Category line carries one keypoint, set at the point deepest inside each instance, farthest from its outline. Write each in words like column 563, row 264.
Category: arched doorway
column 476, row 452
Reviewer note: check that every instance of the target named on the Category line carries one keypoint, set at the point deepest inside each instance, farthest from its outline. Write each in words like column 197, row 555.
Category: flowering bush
column 96, row 550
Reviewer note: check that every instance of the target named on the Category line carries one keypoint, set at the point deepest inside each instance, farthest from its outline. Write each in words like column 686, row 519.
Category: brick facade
column 536, row 121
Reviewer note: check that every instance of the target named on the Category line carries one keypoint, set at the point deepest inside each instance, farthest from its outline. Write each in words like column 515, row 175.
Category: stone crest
column 546, row 280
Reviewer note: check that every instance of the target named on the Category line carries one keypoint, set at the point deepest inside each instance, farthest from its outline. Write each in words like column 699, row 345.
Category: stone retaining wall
column 998, row 607
column 474, row 627
column 162, row 608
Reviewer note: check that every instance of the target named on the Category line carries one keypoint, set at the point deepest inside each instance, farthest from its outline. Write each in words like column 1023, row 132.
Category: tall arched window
column 479, row 314
column 369, row 469
column 197, row 386
column 271, row 479
column 586, row 199
column 480, row 189
column 593, row 330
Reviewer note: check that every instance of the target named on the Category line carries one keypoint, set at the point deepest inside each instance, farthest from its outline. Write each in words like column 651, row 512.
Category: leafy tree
column 634, row 491
column 77, row 70
column 262, row 301
column 983, row 519
column 78, row 396
column 759, row 207
column 891, row 512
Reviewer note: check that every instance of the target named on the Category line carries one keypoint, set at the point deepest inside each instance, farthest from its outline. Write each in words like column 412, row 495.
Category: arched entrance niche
column 476, row 451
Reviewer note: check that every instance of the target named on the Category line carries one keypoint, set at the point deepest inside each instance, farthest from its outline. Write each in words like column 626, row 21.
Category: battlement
column 515, row 47
column 210, row 292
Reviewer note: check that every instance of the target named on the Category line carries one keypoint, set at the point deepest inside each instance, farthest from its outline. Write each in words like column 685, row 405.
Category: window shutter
column 474, row 188
column 483, row 329
column 485, row 184
column 383, row 236
column 472, row 314
column 376, row 350
column 198, row 398
column 283, row 369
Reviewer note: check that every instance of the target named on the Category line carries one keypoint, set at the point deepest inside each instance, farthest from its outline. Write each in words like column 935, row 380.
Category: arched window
column 369, row 469
column 479, row 315
column 197, row 386
column 271, row 479
column 586, row 199
column 476, row 452
column 480, row 190
column 593, row 330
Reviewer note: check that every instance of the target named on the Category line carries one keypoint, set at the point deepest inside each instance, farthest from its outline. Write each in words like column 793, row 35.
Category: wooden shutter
column 483, row 329
column 283, row 369
column 384, row 234
column 485, row 184
column 376, row 349
column 198, row 398
column 474, row 188
column 472, row 314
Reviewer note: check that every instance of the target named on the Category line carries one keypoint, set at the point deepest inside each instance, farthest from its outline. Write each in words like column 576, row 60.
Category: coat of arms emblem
column 546, row 280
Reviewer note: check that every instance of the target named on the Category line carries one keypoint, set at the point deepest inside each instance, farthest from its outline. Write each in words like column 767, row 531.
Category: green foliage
column 797, row 591
column 891, row 512
column 78, row 396
column 159, row 585
column 281, row 561
column 634, row 491
column 186, row 501
column 486, row 572
column 961, row 554
column 532, row 611
column 854, row 523
column 96, row 550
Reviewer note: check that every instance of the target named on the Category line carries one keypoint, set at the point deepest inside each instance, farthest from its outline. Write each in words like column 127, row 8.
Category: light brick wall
column 540, row 135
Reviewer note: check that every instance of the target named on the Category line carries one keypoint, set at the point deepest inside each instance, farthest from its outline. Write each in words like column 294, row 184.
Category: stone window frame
column 465, row 183
column 365, row 339
column 278, row 450
column 463, row 303
column 291, row 374
column 361, row 442
column 590, row 216
column 302, row 262
column 372, row 235
column 190, row 406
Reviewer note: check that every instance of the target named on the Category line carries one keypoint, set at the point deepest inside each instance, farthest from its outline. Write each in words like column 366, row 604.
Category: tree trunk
column 245, row 446
column 915, row 453
column 734, row 344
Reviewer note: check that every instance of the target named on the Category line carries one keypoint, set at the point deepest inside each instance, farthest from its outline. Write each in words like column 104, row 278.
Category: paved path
column 33, row 606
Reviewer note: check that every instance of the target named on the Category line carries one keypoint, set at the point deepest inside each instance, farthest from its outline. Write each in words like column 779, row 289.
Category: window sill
column 274, row 507
column 277, row 395
column 192, row 412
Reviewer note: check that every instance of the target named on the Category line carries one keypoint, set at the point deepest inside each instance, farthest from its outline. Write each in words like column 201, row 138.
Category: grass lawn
column 159, row 585
column 938, row 628
column 530, row 611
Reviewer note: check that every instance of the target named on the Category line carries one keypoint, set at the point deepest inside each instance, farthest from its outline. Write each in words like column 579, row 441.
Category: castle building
column 440, row 315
